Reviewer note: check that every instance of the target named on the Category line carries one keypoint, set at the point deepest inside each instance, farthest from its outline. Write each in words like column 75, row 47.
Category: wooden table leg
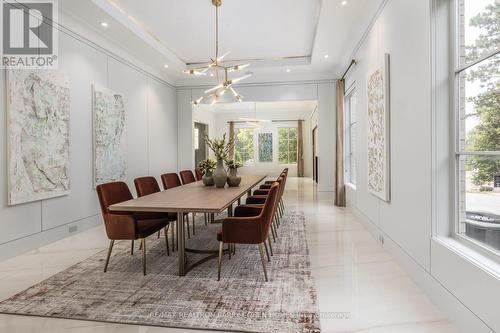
column 181, row 244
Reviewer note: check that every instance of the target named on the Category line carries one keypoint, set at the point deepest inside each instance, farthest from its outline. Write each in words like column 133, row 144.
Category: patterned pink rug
column 241, row 301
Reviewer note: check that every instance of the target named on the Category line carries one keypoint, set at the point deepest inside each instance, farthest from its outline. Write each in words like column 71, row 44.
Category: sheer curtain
column 339, row 147
column 300, row 149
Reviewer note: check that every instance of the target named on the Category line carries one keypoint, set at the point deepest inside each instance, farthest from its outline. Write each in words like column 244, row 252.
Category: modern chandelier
column 221, row 72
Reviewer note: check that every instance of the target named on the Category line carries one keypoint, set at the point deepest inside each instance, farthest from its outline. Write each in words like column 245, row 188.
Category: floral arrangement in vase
column 221, row 149
column 233, row 179
column 207, row 167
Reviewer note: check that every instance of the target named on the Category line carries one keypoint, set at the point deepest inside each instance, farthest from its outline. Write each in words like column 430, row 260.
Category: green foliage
column 244, row 147
column 486, row 135
column 287, row 145
column 207, row 165
column 220, row 148
column 232, row 164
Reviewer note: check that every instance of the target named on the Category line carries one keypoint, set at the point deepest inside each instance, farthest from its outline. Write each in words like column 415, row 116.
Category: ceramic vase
column 208, row 179
column 233, row 179
column 220, row 176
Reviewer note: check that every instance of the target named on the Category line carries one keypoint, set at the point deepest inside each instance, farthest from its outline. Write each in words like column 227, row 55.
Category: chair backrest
column 170, row 180
column 146, row 185
column 199, row 173
column 119, row 225
column 187, row 177
column 269, row 209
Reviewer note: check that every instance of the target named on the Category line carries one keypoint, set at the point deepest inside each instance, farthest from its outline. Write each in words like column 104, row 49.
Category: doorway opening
column 200, row 147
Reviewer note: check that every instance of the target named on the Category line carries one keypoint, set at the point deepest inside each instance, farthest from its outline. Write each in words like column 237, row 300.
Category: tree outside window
column 478, row 113
column 287, row 145
column 244, row 146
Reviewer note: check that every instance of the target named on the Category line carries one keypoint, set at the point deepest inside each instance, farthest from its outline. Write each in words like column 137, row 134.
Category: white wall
column 271, row 168
column 323, row 92
column 151, row 117
column 467, row 293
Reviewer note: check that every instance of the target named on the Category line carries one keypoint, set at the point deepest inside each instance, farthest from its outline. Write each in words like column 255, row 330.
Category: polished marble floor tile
column 360, row 287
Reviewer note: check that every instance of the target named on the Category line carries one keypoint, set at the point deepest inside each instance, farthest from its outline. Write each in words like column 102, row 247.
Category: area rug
column 240, row 302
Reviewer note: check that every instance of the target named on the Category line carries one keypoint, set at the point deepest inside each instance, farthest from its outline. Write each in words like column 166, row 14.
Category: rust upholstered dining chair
column 171, row 180
column 199, row 174
column 259, row 199
column 149, row 185
column 126, row 225
column 249, row 225
column 187, row 177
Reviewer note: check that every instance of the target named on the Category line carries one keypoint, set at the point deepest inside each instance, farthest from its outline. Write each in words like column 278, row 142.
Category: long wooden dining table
column 190, row 198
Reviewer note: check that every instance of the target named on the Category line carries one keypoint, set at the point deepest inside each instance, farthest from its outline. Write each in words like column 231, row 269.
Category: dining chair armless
column 126, row 225
column 172, row 180
column 249, row 230
column 149, row 185
column 187, row 177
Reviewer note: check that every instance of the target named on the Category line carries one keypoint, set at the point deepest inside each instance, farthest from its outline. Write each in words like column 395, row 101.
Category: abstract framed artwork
column 109, row 135
column 38, row 125
column 265, row 147
column 378, row 89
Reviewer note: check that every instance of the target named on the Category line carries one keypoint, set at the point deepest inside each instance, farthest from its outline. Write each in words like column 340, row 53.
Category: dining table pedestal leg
column 180, row 241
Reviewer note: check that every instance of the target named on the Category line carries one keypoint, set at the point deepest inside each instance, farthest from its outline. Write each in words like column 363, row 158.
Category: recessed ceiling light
column 343, row 3
column 165, row 66
column 104, row 24
column 288, row 70
column 326, row 56
column 212, row 74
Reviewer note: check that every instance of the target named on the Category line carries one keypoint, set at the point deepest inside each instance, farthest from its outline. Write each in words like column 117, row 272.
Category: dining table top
column 194, row 197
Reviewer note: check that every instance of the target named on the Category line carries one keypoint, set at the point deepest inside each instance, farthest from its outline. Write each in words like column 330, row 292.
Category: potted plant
column 207, row 167
column 233, row 179
column 221, row 149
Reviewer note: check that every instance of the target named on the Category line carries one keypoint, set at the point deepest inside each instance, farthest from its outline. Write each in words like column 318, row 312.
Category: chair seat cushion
column 148, row 227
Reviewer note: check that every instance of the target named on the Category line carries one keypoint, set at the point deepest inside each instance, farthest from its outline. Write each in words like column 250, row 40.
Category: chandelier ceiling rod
column 215, row 66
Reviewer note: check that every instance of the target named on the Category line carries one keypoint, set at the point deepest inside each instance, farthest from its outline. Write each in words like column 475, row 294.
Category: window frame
column 348, row 126
column 236, row 129
column 288, row 144
column 456, row 68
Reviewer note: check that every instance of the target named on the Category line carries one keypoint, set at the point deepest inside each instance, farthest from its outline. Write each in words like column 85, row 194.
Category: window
column 244, row 146
column 287, row 145
column 196, row 139
column 350, row 137
column 477, row 110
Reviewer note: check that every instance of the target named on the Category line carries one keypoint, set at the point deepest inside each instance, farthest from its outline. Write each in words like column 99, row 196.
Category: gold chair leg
column 166, row 239
column 272, row 232
column 270, row 246
column 109, row 255
column 267, row 252
column 132, row 248
column 143, row 242
column 263, row 260
column 221, row 250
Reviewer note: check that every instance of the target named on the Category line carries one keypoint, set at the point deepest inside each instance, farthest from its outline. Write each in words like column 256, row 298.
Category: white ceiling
column 277, row 34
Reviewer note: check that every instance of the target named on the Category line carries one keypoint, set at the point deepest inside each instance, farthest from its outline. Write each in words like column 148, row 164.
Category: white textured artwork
column 378, row 132
column 109, row 136
column 38, row 112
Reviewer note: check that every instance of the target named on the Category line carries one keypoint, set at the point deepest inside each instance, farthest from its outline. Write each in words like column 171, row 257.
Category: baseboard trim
column 26, row 244
column 462, row 317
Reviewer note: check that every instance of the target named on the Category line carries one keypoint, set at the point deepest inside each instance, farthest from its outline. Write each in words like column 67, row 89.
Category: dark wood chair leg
column 132, row 248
